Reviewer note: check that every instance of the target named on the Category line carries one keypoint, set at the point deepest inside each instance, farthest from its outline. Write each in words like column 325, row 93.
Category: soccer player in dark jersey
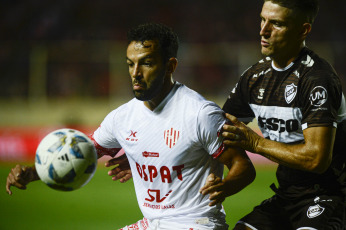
column 297, row 99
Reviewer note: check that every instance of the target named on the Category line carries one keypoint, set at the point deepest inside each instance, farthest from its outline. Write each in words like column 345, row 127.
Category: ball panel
column 37, row 159
column 66, row 177
column 91, row 168
column 60, row 187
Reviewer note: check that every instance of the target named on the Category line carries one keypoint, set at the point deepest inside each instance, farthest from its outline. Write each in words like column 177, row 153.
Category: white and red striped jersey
column 171, row 151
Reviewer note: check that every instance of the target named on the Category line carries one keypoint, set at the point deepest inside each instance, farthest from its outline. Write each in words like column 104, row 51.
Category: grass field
column 101, row 204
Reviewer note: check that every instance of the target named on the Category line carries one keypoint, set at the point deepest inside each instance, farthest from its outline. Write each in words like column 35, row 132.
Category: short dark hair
column 167, row 38
column 308, row 9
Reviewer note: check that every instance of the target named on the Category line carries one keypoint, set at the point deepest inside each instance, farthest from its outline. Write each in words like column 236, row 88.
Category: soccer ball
column 66, row 159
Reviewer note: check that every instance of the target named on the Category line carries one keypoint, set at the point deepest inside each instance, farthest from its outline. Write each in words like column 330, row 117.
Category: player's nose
column 265, row 29
column 136, row 71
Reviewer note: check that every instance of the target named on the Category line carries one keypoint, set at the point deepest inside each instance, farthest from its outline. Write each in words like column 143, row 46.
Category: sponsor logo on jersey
column 318, row 96
column 308, row 62
column 314, row 211
column 155, row 195
column 132, row 136
column 276, row 124
column 290, row 92
column 261, row 73
column 150, row 154
column 171, row 137
column 279, row 123
column 158, row 206
column 164, row 173
column 296, row 73
column 261, row 92
column 318, row 199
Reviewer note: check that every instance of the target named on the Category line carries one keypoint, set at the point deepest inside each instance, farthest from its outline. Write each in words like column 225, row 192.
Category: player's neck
column 153, row 103
column 283, row 61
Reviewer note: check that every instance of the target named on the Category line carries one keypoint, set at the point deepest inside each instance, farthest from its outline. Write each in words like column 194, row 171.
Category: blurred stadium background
column 62, row 64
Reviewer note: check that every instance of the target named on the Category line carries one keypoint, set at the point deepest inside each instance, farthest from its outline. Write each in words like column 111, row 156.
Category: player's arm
column 122, row 170
column 20, row 176
column 314, row 154
column 241, row 173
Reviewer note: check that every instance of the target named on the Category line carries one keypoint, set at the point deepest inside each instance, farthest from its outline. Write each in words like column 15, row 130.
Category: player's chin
column 141, row 95
column 266, row 51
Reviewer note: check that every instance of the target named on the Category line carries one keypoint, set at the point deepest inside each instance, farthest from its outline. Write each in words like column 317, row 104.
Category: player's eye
column 277, row 24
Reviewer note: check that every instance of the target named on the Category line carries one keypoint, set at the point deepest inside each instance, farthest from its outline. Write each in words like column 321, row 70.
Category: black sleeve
column 237, row 103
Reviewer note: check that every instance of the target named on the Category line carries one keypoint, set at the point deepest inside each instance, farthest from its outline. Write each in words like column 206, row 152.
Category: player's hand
column 122, row 170
column 20, row 176
column 237, row 134
column 215, row 187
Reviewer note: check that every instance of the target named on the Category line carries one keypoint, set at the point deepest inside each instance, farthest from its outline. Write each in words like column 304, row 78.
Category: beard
column 266, row 52
column 150, row 91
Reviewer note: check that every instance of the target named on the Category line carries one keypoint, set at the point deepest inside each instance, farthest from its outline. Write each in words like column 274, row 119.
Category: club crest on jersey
column 314, row 211
column 171, row 137
column 290, row 92
column 318, row 96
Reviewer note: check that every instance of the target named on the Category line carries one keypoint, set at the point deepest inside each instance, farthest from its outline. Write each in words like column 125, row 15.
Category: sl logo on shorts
column 314, row 211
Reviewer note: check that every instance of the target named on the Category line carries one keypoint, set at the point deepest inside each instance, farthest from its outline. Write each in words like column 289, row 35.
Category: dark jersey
column 305, row 94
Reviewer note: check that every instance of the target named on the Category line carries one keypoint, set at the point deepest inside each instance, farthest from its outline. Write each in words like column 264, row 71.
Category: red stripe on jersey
column 170, row 139
column 166, row 137
column 175, row 135
column 218, row 151
column 101, row 151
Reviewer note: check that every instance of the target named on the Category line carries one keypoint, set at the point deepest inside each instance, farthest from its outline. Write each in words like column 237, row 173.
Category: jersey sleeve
column 237, row 103
column 209, row 124
column 105, row 138
column 321, row 97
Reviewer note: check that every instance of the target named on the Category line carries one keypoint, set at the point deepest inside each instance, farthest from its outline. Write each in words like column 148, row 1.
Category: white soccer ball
column 66, row 159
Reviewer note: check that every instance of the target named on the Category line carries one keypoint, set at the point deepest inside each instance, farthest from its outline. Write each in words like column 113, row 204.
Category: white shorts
column 157, row 224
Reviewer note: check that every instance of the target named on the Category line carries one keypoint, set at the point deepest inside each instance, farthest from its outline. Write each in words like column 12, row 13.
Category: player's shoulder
column 313, row 67
column 192, row 98
column 258, row 68
column 123, row 109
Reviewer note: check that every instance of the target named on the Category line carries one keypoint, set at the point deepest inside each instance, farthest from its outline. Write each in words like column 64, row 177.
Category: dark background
column 80, row 50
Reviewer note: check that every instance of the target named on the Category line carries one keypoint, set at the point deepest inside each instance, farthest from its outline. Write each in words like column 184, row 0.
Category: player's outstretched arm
column 241, row 173
column 122, row 170
column 20, row 176
column 314, row 154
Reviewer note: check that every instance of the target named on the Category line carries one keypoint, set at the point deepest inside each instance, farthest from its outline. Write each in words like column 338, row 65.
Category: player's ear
column 172, row 65
column 306, row 28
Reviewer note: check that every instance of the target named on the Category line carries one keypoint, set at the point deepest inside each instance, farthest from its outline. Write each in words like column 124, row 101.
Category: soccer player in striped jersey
column 171, row 136
column 297, row 100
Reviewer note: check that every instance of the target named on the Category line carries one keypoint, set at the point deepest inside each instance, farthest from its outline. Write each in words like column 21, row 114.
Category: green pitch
column 101, row 204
